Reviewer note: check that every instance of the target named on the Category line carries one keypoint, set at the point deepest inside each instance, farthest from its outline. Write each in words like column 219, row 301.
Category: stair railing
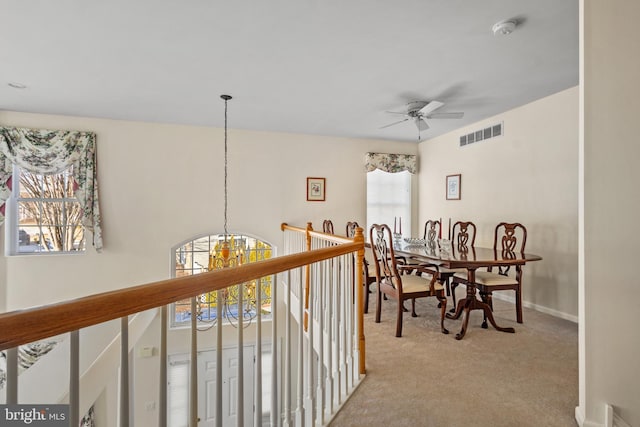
column 334, row 338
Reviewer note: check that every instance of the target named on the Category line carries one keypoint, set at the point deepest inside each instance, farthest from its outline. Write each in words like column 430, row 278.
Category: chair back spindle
column 327, row 226
column 351, row 228
column 464, row 235
column 432, row 230
column 509, row 238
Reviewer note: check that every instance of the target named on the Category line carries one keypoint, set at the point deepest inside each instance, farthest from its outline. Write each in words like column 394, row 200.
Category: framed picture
column 453, row 187
column 315, row 189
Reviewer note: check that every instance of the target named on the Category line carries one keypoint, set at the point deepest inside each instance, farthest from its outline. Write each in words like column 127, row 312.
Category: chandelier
column 235, row 303
column 227, row 253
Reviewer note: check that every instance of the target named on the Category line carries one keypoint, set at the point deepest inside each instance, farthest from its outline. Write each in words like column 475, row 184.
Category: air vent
column 482, row 134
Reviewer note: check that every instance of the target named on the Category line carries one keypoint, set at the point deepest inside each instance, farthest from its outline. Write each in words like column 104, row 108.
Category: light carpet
column 489, row 378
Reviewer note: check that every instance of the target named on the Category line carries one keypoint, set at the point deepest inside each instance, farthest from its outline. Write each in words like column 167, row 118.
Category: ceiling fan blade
column 431, row 106
column 445, row 116
column 422, row 125
column 404, row 113
column 394, row 123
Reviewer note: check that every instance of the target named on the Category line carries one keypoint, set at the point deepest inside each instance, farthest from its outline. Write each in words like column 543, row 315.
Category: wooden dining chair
column 368, row 267
column 508, row 239
column 351, row 229
column 432, row 232
column 463, row 238
column 463, row 235
column 401, row 287
column 327, row 226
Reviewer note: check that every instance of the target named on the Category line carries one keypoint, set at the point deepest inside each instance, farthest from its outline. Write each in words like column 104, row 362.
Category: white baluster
column 300, row 376
column 124, row 371
column 12, row 376
column 275, row 413
column 162, row 398
column 74, row 378
column 219, row 367
column 258, row 364
column 193, row 373
column 240, row 395
column 287, row 356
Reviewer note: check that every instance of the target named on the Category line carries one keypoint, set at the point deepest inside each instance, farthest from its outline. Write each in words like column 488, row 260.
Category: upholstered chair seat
column 412, row 283
column 489, row 279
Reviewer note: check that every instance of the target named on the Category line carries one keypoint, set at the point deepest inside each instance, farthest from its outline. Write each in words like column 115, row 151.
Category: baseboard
column 542, row 309
column 335, row 413
column 619, row 422
column 612, row 419
column 579, row 415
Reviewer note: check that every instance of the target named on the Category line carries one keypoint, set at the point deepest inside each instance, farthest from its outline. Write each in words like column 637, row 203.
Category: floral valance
column 48, row 152
column 391, row 163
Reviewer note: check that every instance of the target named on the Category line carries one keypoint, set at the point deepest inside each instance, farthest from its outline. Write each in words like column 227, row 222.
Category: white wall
column 160, row 184
column 609, row 338
column 528, row 175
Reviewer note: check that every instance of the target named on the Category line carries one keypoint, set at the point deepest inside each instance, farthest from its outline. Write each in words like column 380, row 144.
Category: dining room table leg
column 470, row 303
column 458, row 310
column 465, row 320
column 463, row 306
column 489, row 315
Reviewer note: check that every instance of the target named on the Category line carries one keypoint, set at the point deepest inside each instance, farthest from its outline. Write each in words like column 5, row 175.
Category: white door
column 207, row 387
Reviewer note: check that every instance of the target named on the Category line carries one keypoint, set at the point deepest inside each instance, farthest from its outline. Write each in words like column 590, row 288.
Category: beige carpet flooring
column 489, row 378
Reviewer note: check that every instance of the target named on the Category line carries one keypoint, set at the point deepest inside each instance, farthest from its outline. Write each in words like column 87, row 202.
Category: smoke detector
column 503, row 28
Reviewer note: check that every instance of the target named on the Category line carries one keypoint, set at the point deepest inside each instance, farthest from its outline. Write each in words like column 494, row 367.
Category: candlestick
column 395, row 227
column 400, row 229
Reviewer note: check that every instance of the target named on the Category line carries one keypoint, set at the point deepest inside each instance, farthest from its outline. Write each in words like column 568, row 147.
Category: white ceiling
column 326, row 67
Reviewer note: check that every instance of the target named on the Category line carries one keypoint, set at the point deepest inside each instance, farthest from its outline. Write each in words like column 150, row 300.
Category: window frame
column 404, row 211
column 173, row 323
column 12, row 222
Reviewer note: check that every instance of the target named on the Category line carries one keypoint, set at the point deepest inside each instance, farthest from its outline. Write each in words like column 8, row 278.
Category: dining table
column 470, row 258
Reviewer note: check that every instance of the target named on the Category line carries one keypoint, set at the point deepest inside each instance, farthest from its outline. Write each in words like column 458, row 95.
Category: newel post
column 307, row 278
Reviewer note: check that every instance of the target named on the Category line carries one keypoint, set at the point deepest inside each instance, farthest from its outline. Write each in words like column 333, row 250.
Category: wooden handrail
column 334, row 238
column 24, row 326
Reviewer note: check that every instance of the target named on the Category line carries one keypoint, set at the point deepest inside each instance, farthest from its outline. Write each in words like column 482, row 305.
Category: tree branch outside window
column 49, row 215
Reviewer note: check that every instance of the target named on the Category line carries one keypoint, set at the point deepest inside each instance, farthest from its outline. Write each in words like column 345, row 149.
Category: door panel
column 207, row 386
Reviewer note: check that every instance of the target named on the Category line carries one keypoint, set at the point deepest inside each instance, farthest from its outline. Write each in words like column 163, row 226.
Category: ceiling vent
column 482, row 134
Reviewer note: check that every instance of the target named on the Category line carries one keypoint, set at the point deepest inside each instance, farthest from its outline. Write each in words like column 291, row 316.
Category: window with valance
column 389, row 190
column 52, row 152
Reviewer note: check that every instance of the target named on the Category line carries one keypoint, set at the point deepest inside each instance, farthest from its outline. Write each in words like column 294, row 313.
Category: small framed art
column 453, row 187
column 316, row 189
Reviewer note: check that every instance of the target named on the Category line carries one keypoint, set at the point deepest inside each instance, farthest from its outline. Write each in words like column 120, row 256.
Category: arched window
column 192, row 257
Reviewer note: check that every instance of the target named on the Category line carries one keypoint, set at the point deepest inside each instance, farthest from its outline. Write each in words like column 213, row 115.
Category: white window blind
column 389, row 198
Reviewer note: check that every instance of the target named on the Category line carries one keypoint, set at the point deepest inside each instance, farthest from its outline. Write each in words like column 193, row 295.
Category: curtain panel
column 392, row 163
column 48, row 152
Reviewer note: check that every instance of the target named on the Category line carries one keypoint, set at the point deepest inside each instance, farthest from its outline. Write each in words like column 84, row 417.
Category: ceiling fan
column 419, row 111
